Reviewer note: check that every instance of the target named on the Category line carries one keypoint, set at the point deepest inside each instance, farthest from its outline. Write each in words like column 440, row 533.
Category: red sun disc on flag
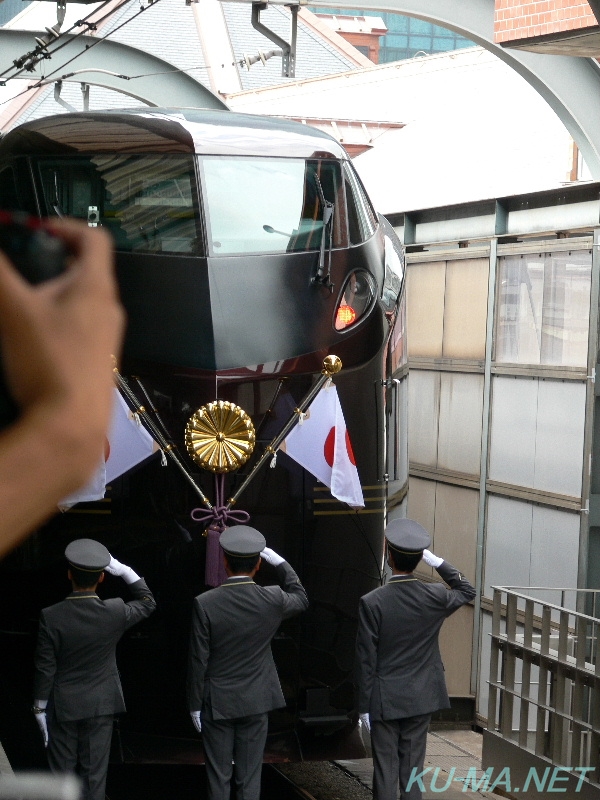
column 349, row 449
column 329, row 447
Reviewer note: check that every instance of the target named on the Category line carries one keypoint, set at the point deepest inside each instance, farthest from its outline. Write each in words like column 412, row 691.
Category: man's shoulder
column 55, row 609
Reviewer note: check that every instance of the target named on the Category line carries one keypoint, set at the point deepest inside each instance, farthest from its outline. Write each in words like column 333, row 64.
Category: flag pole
column 165, row 445
column 331, row 366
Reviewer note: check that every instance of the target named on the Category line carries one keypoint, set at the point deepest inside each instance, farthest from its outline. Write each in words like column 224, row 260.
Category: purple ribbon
column 219, row 517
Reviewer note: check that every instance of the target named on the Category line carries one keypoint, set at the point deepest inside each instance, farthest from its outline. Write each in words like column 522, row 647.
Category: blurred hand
column 57, row 339
column 365, row 721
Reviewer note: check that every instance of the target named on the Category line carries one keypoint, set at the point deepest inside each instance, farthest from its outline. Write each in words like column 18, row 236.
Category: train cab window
column 362, row 220
column 272, row 205
column 9, row 197
column 147, row 202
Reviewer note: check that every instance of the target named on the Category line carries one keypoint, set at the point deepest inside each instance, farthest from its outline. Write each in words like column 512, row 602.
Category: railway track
column 181, row 782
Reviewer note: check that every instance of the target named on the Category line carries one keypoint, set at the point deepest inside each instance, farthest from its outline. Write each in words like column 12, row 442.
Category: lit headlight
column 356, row 299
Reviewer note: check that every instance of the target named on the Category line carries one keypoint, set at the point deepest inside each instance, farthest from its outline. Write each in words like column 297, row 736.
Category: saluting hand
column 122, row 571
column 271, row 557
column 433, row 561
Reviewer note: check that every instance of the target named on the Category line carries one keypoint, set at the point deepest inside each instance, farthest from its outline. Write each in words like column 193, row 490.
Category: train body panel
column 247, row 251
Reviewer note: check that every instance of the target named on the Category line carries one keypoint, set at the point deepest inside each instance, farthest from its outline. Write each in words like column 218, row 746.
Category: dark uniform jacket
column 75, row 663
column 231, row 671
column 399, row 668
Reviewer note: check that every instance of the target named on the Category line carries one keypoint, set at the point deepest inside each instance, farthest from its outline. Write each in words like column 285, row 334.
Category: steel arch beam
column 170, row 89
column 570, row 85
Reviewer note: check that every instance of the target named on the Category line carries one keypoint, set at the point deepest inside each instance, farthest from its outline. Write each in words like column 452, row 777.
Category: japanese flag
column 321, row 444
column 127, row 445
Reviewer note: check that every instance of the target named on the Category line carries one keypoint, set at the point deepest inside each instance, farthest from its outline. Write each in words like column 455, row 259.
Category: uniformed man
column 77, row 686
column 400, row 674
column 232, row 679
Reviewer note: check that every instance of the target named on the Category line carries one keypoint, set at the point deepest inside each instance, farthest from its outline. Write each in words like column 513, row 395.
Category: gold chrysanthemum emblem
column 220, row 436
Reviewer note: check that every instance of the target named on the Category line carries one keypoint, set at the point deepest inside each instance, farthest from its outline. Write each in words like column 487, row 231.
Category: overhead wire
column 39, row 51
column 44, row 79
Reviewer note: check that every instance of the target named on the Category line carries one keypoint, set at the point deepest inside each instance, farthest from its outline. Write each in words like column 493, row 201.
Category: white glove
column 196, row 719
column 432, row 560
column 271, row 557
column 364, row 719
column 122, row 571
column 40, row 718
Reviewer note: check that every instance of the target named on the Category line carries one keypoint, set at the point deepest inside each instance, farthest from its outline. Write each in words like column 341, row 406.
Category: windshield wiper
column 323, row 276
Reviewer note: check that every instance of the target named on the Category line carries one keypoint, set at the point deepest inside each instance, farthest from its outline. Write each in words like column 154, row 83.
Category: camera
column 38, row 255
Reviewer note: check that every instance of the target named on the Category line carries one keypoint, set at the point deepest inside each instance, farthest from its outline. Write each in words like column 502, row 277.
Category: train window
column 271, row 205
column 362, row 221
column 9, row 198
column 147, row 202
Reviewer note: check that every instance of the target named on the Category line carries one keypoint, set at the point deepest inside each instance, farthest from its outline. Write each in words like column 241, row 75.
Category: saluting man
column 77, row 686
column 232, row 679
column 400, row 674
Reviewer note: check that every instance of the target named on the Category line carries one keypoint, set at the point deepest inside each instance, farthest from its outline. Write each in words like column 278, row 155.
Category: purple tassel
column 214, row 573
column 218, row 516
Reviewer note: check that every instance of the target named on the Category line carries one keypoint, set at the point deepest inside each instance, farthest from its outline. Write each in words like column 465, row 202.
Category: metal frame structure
column 570, row 85
column 544, row 222
column 545, row 670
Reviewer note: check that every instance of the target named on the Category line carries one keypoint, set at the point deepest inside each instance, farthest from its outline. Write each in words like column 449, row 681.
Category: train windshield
column 151, row 203
column 148, row 202
column 272, row 205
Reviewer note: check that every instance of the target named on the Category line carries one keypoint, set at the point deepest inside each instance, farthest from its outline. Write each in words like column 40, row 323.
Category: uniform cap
column 242, row 540
column 407, row 536
column 87, row 554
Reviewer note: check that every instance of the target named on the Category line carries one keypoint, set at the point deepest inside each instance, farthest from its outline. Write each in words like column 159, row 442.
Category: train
column 247, row 252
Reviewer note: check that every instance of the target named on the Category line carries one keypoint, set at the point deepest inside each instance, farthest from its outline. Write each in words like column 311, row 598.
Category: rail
column 544, row 687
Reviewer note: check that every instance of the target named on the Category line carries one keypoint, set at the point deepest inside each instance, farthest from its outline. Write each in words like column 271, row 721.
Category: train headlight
column 356, row 299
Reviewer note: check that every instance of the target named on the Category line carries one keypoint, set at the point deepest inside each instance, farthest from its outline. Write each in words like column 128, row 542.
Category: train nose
column 223, row 313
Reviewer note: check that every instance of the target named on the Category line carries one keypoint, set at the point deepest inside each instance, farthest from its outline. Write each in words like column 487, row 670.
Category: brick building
column 562, row 27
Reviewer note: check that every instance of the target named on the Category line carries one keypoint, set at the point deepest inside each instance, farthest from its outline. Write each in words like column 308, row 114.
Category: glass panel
column 146, row 202
column 425, row 297
column 421, row 506
column 512, row 438
column 270, row 205
column 554, row 550
column 465, row 311
column 456, row 644
column 559, row 437
column 423, row 409
column 461, row 409
column 455, row 534
column 543, row 308
column 362, row 220
column 537, row 434
column 508, row 543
